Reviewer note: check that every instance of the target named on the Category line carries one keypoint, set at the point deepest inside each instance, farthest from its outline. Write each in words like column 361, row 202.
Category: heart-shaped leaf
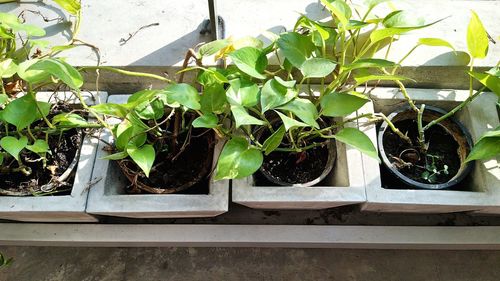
column 250, row 60
column 242, row 117
column 274, row 140
column 477, row 38
column 275, row 93
column 206, row 121
column 23, row 111
column 238, row 160
column 358, row 140
column 296, row 48
column 290, row 122
column 342, row 104
column 39, row 146
column 317, row 68
column 61, row 70
column 184, row 94
column 242, row 92
column 304, row 109
column 14, row 146
column 143, row 156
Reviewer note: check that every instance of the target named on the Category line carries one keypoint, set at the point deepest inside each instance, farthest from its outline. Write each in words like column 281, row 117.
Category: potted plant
column 424, row 147
column 46, row 151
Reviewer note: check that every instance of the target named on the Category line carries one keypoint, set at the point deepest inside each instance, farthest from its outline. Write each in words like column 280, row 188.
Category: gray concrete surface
column 120, row 264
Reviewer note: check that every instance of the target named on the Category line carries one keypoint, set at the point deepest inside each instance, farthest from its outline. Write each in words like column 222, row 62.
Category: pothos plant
column 321, row 65
column 32, row 129
column 4, row 262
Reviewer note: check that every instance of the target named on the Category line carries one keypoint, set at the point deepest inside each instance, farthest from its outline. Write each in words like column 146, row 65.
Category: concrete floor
column 85, row 264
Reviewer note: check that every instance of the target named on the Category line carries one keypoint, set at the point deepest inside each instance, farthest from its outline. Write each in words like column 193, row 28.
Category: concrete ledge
column 370, row 237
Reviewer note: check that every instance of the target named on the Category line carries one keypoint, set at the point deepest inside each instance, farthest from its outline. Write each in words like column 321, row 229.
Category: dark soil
column 63, row 149
column 299, row 167
column 442, row 151
column 188, row 173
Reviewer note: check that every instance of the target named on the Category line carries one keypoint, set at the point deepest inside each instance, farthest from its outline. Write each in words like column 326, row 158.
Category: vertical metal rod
column 214, row 19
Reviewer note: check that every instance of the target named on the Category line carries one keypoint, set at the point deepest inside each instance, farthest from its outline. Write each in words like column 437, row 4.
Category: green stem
column 128, row 73
column 394, row 129
column 40, row 110
column 454, row 110
column 421, row 135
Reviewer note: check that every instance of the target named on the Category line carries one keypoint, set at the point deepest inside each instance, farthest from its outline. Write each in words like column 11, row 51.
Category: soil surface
column 296, row 168
column 63, row 149
column 189, row 171
column 441, row 155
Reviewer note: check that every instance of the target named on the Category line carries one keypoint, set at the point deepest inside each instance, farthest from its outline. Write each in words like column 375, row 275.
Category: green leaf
column 184, row 94
column 403, row 19
column 381, row 34
column 69, row 119
column 31, row 30
column 116, row 156
column 8, row 68
column 238, row 160
column 477, row 38
column 317, row 68
column 274, row 94
column 212, row 47
column 247, row 41
column 241, row 117
column 296, row 48
column 14, row 146
column 358, row 140
column 250, row 60
column 274, row 141
column 363, row 78
column 242, row 92
column 369, row 63
column 31, row 75
column 304, row 109
column 61, row 70
column 39, row 146
column 339, row 9
column 143, row 156
column 206, row 121
column 130, row 131
column 23, row 111
column 436, row 42
column 71, row 6
column 210, row 76
column 490, row 81
column 495, row 71
column 213, row 99
column 3, row 99
column 342, row 104
column 111, row 109
column 487, row 147
column 290, row 122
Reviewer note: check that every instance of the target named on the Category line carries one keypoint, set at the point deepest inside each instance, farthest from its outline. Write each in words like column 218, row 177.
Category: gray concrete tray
column 343, row 186
column 108, row 196
column 65, row 208
column 484, row 182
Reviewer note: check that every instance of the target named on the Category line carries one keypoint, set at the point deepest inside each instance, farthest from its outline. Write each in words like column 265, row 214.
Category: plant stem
column 128, row 73
column 40, row 111
column 421, row 135
column 454, row 110
column 394, row 129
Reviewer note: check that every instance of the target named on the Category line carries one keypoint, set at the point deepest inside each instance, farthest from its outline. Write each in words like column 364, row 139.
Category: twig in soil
column 124, row 41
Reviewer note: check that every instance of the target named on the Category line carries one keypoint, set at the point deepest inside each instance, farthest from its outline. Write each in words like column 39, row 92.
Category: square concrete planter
column 481, row 185
column 64, row 208
column 108, row 196
column 344, row 186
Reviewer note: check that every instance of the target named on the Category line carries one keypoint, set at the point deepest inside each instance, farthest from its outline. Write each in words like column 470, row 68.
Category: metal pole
column 214, row 19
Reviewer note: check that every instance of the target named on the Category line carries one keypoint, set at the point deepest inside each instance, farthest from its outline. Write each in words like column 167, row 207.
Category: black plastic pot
column 332, row 156
column 450, row 125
